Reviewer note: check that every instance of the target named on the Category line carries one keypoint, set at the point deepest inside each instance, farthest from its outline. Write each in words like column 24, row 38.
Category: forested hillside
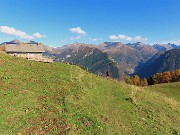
column 166, row 61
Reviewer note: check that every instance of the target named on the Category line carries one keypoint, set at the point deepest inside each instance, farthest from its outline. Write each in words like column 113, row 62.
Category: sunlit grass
column 57, row 98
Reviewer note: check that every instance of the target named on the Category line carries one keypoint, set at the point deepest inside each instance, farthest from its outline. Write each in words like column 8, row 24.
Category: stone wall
column 27, row 55
column 32, row 56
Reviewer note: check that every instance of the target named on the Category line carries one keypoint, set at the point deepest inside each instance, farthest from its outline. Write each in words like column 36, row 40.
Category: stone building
column 25, row 50
column 30, row 51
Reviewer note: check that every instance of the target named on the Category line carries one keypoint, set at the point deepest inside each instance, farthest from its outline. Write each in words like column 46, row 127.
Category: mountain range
column 91, row 58
column 127, row 56
column 165, row 47
column 118, row 58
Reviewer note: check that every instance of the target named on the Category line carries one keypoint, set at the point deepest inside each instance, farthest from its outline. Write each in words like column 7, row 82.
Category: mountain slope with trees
column 89, row 57
column 161, row 62
column 120, row 59
column 127, row 56
column 123, row 58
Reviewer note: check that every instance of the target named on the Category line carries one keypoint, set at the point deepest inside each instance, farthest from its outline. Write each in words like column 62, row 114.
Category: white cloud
column 127, row 38
column 114, row 37
column 95, row 39
column 176, row 42
column 75, row 38
column 78, row 30
column 38, row 35
column 12, row 31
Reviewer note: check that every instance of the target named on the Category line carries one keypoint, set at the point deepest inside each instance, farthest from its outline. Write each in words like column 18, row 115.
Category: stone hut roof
column 24, row 47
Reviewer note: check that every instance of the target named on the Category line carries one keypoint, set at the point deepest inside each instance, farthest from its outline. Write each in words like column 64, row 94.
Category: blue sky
column 60, row 22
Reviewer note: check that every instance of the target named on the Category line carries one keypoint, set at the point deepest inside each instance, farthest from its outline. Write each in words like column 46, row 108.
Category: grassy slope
column 171, row 90
column 57, row 98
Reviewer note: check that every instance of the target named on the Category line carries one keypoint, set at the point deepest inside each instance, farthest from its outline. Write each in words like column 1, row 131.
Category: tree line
column 164, row 77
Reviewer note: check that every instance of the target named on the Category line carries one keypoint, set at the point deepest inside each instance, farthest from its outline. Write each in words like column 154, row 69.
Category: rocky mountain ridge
column 124, row 58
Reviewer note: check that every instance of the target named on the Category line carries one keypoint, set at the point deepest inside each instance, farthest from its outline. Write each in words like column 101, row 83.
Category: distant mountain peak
column 165, row 47
column 110, row 45
column 15, row 41
column 32, row 42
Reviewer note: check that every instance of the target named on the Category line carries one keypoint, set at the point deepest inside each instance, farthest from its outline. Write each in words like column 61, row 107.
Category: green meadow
column 58, row 98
